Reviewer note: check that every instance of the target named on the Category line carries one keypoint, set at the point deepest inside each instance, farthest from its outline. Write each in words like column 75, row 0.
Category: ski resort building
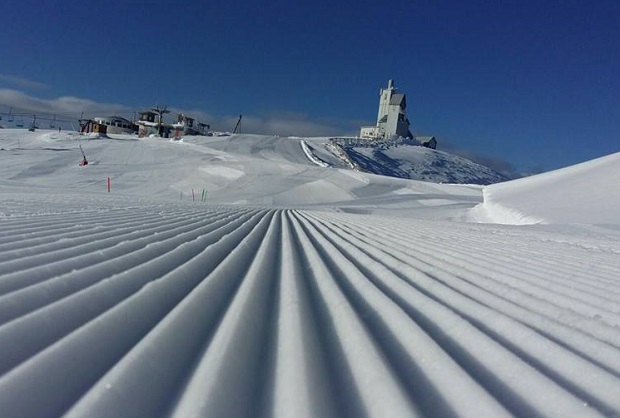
column 392, row 120
column 189, row 126
column 117, row 125
column 427, row 141
column 149, row 124
column 88, row 126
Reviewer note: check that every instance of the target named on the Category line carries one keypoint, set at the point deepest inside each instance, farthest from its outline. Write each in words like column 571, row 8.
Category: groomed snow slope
column 139, row 304
column 585, row 193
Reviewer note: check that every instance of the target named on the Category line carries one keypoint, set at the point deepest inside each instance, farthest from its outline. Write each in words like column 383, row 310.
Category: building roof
column 113, row 118
column 398, row 99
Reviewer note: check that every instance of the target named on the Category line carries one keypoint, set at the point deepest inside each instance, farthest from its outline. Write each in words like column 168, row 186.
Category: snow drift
column 586, row 193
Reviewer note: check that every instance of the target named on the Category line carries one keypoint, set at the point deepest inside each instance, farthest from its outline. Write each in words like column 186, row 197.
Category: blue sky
column 530, row 84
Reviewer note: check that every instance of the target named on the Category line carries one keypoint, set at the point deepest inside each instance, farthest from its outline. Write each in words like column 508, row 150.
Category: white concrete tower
column 391, row 119
column 384, row 101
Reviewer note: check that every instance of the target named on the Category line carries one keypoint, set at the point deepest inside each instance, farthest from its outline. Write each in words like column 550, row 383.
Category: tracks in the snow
column 179, row 310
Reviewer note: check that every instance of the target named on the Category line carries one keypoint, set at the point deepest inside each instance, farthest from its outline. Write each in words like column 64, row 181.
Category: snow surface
column 419, row 163
column 298, row 290
column 584, row 193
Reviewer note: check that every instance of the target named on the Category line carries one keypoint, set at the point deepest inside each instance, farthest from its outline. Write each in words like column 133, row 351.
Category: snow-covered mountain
column 405, row 159
column 419, row 163
column 251, row 276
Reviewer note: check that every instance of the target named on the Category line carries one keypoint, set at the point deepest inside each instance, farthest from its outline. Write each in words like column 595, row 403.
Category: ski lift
column 238, row 125
column 33, row 126
column 20, row 123
column 11, row 115
column 53, row 123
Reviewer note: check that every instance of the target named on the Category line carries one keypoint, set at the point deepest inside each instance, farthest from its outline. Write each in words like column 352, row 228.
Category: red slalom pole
column 109, row 184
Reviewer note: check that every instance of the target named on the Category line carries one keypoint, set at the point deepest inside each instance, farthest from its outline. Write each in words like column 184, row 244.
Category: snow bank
column 585, row 193
column 490, row 212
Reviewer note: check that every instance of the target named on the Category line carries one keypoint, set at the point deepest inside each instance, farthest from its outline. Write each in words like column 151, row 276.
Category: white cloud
column 70, row 106
column 283, row 124
column 23, row 82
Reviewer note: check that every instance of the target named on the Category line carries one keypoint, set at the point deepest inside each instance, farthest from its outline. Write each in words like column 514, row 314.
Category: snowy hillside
column 411, row 161
column 585, row 193
column 235, row 277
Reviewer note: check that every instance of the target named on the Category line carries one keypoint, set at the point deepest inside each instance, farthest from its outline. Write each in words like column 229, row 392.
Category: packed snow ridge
column 239, row 277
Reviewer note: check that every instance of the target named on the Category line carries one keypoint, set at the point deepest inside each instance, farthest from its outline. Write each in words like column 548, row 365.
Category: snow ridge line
column 398, row 337
column 179, row 342
column 85, row 231
column 277, row 313
column 63, row 258
column 515, row 269
column 494, row 326
column 299, row 343
column 26, row 230
column 543, row 280
column 522, row 309
column 47, row 353
column 485, row 286
column 88, row 269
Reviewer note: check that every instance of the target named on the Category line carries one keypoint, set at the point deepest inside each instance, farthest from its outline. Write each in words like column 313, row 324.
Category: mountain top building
column 392, row 120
